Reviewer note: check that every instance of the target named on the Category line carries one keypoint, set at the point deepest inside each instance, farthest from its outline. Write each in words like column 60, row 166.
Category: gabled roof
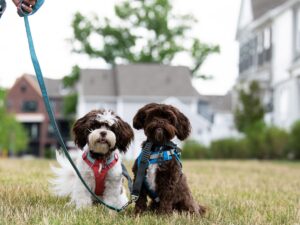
column 260, row 7
column 138, row 80
column 219, row 103
column 53, row 86
column 98, row 82
column 154, row 80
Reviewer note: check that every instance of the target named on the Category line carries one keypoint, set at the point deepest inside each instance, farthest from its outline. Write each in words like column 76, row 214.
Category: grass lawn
column 237, row 192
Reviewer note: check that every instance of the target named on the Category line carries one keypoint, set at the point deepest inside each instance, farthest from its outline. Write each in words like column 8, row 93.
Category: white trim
column 30, row 117
column 269, row 16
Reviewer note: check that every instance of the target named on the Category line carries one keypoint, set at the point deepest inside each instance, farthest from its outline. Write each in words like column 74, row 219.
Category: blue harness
column 159, row 156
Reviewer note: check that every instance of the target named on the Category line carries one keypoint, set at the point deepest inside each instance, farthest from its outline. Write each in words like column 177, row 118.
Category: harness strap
column 100, row 169
column 158, row 157
column 139, row 179
column 126, row 174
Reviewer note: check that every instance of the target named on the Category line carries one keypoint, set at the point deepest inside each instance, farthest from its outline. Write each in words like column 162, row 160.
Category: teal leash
column 41, row 82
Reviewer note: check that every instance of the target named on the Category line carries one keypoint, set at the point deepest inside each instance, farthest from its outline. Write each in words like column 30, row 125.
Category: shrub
column 268, row 143
column 276, row 142
column 193, row 150
column 229, row 148
column 294, row 141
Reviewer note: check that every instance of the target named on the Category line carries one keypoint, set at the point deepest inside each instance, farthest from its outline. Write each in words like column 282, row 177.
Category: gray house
column 126, row 88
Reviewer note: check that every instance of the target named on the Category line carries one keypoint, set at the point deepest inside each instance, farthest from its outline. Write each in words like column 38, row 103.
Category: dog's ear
column 140, row 116
column 183, row 125
column 80, row 129
column 124, row 134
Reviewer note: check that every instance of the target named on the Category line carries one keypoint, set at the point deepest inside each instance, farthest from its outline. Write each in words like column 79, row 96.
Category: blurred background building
column 25, row 101
column 269, row 36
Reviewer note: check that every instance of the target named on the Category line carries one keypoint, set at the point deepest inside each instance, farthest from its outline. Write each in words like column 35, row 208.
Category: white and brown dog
column 103, row 136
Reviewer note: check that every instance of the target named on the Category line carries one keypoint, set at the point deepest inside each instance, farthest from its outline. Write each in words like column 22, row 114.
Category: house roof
column 139, row 80
column 98, row 82
column 54, row 86
column 260, row 7
column 219, row 103
column 154, row 80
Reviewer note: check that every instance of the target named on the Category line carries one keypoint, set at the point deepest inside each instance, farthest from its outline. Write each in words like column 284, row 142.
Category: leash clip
column 134, row 198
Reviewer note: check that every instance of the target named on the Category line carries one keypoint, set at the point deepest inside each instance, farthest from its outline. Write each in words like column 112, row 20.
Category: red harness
column 100, row 168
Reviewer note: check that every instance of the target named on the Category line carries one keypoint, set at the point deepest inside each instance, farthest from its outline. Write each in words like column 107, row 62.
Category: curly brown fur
column 161, row 123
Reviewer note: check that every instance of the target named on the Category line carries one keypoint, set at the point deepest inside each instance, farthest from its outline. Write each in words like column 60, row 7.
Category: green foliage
column 145, row 31
column 70, row 100
column 269, row 143
column 229, row 148
column 250, row 111
column 70, row 103
column 70, row 80
column 276, row 140
column 12, row 134
column 294, row 140
column 193, row 150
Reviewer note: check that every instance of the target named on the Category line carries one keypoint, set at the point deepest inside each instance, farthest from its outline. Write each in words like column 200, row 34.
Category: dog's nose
column 103, row 133
column 161, row 122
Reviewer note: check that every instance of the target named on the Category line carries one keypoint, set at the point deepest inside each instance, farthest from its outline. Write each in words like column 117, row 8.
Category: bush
column 229, row 148
column 294, row 141
column 194, row 150
column 276, row 142
column 268, row 143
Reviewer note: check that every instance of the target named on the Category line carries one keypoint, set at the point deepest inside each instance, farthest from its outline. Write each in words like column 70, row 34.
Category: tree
column 249, row 114
column 145, row 31
column 12, row 134
column 70, row 100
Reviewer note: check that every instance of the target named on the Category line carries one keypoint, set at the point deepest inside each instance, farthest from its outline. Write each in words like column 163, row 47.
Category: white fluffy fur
column 151, row 176
column 107, row 117
column 66, row 182
column 100, row 144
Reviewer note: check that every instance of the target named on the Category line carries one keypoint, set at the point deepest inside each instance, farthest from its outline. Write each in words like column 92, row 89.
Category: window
column 256, row 51
column 29, row 106
column 50, row 131
column 267, row 45
column 23, row 88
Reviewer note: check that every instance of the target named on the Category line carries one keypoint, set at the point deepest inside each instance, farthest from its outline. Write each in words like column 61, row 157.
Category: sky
column 50, row 27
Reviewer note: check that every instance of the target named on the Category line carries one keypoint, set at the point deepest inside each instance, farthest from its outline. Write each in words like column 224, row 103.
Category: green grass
column 236, row 192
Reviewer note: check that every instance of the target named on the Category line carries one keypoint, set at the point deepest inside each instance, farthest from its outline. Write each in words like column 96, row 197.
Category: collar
column 161, row 147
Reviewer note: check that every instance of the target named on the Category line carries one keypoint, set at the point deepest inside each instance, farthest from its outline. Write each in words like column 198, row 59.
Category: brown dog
column 164, row 182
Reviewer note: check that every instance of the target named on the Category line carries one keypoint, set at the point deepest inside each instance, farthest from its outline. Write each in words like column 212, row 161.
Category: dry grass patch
column 237, row 192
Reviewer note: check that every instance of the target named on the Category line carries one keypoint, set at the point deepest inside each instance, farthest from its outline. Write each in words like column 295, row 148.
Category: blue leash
column 41, row 82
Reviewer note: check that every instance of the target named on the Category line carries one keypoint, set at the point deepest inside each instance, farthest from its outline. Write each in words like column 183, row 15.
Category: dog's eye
column 173, row 120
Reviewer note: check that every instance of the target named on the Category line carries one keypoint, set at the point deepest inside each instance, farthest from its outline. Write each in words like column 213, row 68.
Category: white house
column 269, row 36
column 127, row 88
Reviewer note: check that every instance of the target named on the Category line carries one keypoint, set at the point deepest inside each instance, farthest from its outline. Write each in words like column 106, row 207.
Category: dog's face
column 162, row 123
column 102, row 131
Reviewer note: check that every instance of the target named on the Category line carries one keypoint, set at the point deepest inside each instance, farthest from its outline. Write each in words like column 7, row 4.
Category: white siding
column 286, row 103
column 282, row 46
column 246, row 15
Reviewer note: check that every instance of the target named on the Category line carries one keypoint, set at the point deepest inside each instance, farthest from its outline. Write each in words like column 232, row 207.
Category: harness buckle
column 134, row 198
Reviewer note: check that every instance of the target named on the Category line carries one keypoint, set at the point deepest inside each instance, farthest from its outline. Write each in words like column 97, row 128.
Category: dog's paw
column 202, row 210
